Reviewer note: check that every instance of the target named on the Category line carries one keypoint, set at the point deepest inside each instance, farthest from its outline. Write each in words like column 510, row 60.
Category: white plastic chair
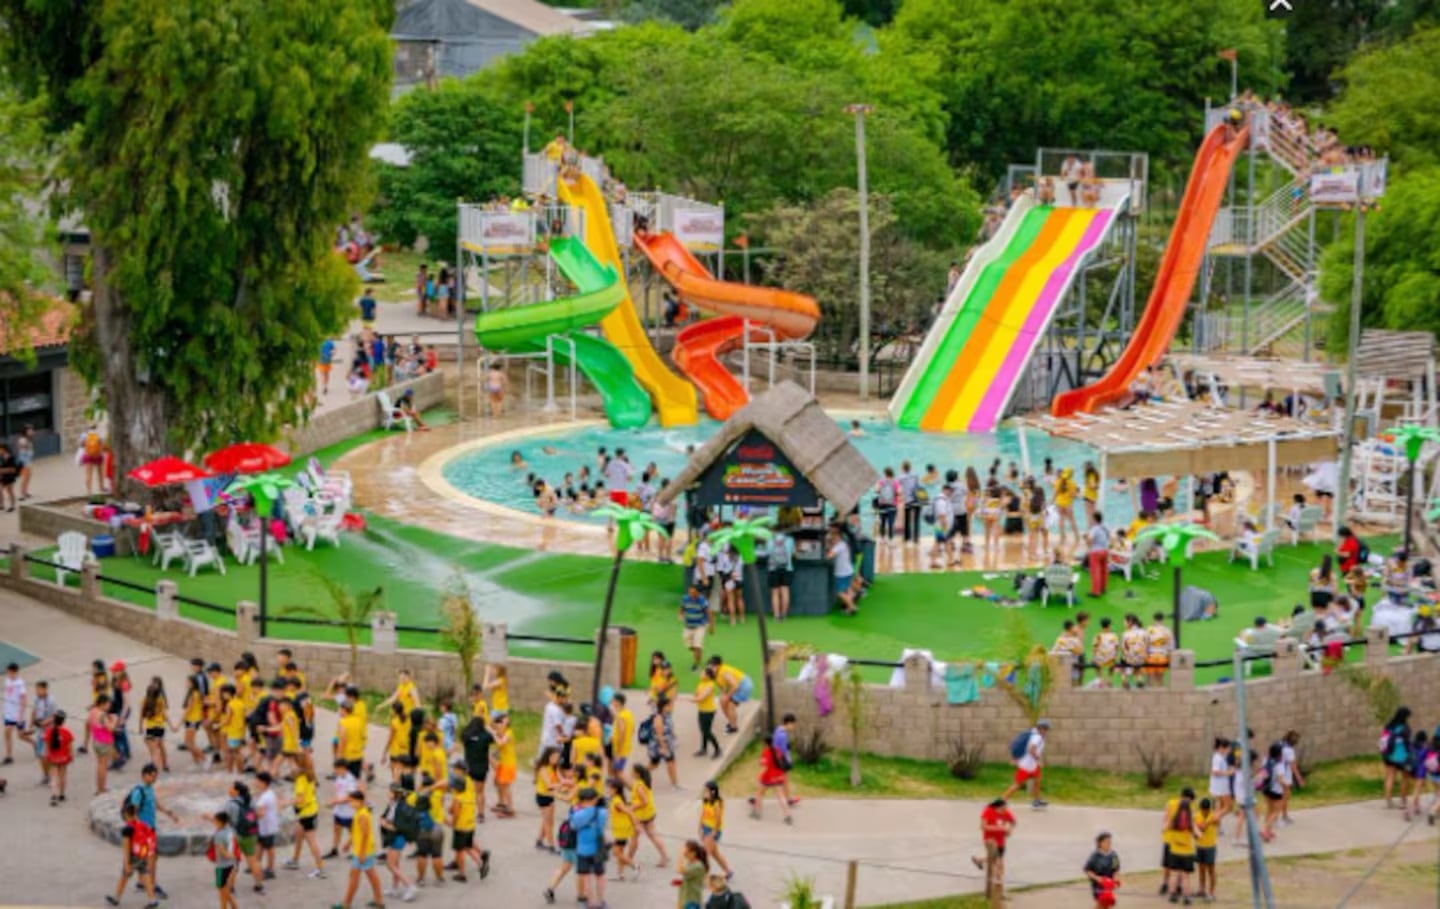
column 325, row 527
column 1263, row 548
column 1137, row 558
column 1060, row 580
column 1307, row 524
column 237, row 541
column 391, row 417
column 73, row 554
column 169, row 547
column 200, row 553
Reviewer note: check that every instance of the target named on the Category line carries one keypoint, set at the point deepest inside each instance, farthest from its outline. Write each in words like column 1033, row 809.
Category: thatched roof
column 788, row 416
column 1395, row 354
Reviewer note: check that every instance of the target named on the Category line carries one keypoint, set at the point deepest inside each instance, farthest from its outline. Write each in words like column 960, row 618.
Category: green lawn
column 562, row 594
column 1350, row 780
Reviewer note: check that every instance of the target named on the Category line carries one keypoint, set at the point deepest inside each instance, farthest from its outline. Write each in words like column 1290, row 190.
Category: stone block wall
column 1108, row 729
column 69, row 389
column 359, row 416
column 163, row 629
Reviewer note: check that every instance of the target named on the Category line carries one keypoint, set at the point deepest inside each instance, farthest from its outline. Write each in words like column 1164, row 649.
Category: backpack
column 260, row 716
column 247, row 823
column 407, row 819
column 93, row 443
column 142, row 839
column 1432, row 763
column 422, row 807
column 1363, row 553
column 1019, row 745
column 645, row 732
column 304, row 710
column 1028, row 587
column 136, row 797
column 565, row 838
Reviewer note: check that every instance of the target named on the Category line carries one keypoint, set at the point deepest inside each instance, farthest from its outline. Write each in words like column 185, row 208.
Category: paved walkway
column 908, row 849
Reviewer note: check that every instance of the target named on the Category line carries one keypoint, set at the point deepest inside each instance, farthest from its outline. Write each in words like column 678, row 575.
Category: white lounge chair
column 1137, row 558
column 1060, row 580
column 1263, row 548
column 325, row 527
column 72, row 554
column 390, row 416
column 169, row 547
column 1307, row 524
column 200, row 553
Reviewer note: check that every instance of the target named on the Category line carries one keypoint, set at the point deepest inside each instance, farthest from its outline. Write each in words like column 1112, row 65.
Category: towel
column 960, row 684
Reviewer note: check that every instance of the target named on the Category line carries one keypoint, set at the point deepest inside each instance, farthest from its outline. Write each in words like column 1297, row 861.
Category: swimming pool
column 486, row 472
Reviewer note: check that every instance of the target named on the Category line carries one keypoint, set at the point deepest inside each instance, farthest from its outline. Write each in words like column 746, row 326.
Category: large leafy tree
column 464, row 141
column 1322, row 39
column 1391, row 100
column 22, row 229
column 214, row 147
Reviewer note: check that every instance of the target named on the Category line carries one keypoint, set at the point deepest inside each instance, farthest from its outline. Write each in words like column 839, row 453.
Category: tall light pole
column 525, row 141
column 570, row 109
column 859, row 111
column 1342, row 490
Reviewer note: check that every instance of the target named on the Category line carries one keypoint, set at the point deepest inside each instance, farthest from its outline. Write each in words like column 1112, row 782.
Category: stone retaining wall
column 165, row 629
column 1109, row 728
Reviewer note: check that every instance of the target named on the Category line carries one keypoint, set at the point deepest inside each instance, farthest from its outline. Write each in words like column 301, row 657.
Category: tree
column 849, row 687
column 464, row 143
column 630, row 525
column 462, row 629
column 1389, row 100
column 1402, row 261
column 215, row 146
column 22, row 229
column 818, row 250
column 353, row 613
column 1320, row 43
column 688, row 14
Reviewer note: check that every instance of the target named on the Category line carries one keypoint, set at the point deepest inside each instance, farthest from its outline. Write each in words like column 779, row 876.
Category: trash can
column 103, row 545
column 629, row 651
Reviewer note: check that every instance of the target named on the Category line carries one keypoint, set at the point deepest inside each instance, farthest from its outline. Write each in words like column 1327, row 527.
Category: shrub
column 965, row 761
column 811, row 748
column 1158, row 767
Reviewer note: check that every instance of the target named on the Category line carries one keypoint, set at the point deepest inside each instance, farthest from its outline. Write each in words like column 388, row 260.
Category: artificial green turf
column 562, row 595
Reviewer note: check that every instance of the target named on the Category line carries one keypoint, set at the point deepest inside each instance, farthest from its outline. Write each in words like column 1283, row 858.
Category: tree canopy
column 214, row 148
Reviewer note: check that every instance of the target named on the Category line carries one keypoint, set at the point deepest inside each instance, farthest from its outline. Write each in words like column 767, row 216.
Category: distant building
column 41, row 391
column 435, row 39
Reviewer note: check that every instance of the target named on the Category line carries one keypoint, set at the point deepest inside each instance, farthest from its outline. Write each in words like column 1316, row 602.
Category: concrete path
column 907, row 849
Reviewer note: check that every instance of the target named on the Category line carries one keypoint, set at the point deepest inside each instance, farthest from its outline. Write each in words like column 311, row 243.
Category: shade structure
column 167, row 471
column 246, row 457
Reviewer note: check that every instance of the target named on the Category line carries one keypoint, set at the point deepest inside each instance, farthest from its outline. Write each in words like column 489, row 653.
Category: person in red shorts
column 996, row 824
column 1027, row 767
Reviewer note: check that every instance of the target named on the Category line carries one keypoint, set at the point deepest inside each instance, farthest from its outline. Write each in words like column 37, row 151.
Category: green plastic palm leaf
column 1434, row 513
column 1176, row 538
column 743, row 534
column 264, row 488
column 631, row 524
column 1413, row 438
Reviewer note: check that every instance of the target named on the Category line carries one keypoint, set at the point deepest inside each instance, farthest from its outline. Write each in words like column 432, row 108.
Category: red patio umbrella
column 167, row 471
column 246, row 457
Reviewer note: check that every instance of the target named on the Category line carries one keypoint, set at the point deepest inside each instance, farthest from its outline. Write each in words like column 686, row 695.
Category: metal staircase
column 1279, row 231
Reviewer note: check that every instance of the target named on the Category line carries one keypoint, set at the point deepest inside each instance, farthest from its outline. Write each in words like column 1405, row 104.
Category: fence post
column 90, row 581
column 916, row 669
column 247, row 623
column 18, row 566
column 1286, row 661
column 852, row 872
column 382, row 633
column 166, row 607
column 494, row 644
column 1377, row 647
column 1182, row 670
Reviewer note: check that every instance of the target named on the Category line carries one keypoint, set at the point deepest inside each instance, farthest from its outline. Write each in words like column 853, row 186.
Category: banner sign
column 700, row 229
column 754, row 471
column 1338, row 187
column 506, row 232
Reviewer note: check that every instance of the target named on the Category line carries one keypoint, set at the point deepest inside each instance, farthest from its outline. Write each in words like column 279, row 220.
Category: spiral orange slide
column 1178, row 269
column 772, row 314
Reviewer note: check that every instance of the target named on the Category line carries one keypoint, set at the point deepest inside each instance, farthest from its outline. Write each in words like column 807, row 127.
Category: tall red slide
column 1178, row 269
column 699, row 347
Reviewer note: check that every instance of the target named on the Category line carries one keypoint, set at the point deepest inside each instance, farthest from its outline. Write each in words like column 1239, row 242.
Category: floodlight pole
column 1260, row 891
column 1357, row 285
column 859, row 111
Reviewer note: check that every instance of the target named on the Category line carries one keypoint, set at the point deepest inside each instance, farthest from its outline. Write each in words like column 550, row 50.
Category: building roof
column 1189, row 438
column 51, row 329
column 1317, row 379
column 1395, row 354
column 466, row 21
column 792, row 419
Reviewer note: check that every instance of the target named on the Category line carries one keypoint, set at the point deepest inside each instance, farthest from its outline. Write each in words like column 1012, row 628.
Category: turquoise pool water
column 486, row 473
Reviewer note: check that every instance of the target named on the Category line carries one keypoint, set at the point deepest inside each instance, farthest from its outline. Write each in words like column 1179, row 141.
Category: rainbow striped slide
column 966, row 382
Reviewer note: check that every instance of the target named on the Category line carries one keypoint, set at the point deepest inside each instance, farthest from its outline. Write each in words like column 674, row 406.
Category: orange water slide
column 699, row 347
column 1179, row 268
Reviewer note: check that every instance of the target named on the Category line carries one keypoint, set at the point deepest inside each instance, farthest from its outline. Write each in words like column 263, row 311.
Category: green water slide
column 523, row 329
column 965, row 320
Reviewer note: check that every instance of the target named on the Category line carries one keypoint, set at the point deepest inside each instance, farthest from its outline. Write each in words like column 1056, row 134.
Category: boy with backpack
column 138, row 843
column 224, row 853
column 1027, row 753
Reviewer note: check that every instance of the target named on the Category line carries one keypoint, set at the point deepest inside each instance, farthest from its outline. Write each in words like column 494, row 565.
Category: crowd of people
column 379, row 360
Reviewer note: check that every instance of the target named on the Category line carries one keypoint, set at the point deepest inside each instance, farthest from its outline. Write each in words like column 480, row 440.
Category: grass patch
column 1351, row 780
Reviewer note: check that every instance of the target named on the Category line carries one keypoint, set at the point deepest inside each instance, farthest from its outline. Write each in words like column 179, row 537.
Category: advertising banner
column 506, row 232
column 700, row 229
column 754, row 471
column 1335, row 187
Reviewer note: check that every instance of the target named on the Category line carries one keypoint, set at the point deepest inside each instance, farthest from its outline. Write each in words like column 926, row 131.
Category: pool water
column 487, row 473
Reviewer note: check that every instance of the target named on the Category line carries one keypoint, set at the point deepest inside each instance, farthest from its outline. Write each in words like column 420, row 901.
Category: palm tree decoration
column 264, row 489
column 1413, row 438
column 1175, row 539
column 353, row 612
column 743, row 534
column 631, row 525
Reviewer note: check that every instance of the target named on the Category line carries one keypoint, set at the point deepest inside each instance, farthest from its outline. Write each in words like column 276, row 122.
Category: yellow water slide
column 673, row 396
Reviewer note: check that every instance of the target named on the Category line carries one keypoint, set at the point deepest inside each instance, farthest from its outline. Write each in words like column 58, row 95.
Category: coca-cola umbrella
column 167, row 471
column 246, row 457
